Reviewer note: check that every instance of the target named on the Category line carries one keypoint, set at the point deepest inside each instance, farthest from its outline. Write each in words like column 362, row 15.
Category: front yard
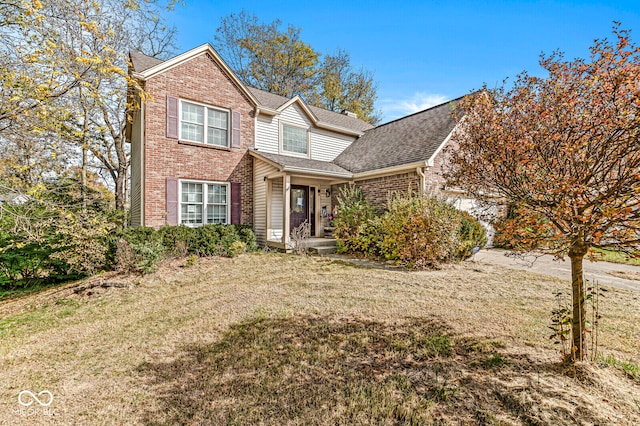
column 278, row 339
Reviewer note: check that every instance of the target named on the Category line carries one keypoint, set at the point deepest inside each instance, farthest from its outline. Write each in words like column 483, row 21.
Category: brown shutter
column 235, row 129
column 172, row 201
column 236, row 203
column 172, row 117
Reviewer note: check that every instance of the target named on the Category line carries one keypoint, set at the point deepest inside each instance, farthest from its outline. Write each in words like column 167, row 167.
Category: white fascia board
column 388, row 170
column 297, row 99
column 431, row 161
column 339, row 129
column 316, row 122
column 317, row 172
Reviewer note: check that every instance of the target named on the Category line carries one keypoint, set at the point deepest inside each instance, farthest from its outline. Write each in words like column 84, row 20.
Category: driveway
column 605, row 273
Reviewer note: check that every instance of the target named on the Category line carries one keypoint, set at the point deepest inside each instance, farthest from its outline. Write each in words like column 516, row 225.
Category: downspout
column 422, row 179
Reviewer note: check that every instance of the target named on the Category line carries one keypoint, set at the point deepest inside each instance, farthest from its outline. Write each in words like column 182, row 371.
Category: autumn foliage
column 565, row 149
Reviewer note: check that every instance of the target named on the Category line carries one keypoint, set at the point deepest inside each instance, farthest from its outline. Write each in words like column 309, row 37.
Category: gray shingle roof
column 142, row 62
column 305, row 164
column 273, row 101
column 406, row 140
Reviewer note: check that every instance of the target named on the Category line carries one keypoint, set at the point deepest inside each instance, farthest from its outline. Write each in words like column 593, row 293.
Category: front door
column 301, row 210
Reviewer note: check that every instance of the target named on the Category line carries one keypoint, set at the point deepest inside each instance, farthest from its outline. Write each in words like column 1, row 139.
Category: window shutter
column 236, row 203
column 235, row 129
column 172, row 117
column 172, row 201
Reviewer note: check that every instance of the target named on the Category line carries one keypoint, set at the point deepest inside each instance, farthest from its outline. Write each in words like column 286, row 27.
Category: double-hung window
column 203, row 203
column 295, row 140
column 204, row 124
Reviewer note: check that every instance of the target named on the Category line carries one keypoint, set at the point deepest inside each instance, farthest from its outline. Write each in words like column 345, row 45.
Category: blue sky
column 426, row 52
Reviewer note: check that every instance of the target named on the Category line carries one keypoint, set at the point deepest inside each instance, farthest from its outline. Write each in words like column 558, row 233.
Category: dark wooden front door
column 299, row 205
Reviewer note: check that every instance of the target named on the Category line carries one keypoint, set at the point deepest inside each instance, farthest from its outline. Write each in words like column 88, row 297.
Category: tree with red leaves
column 565, row 150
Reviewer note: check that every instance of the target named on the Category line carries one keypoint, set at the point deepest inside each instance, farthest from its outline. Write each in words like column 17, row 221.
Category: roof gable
column 149, row 69
column 408, row 140
column 320, row 117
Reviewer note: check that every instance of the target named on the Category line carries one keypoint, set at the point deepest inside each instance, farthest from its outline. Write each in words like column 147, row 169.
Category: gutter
column 389, row 170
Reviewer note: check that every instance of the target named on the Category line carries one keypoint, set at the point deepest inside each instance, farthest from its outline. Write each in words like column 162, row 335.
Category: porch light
column 327, row 193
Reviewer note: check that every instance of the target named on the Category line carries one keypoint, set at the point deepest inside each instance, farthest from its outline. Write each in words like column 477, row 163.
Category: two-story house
column 205, row 148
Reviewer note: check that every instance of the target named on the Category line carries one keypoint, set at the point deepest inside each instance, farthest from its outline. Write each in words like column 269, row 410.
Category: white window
column 203, row 124
column 204, row 202
column 295, row 140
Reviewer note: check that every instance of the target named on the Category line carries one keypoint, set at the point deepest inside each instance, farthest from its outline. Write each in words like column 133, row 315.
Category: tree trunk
column 576, row 253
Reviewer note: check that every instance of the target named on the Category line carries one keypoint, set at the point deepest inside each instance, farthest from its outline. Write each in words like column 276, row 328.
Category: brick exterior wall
column 433, row 176
column 376, row 190
column 200, row 79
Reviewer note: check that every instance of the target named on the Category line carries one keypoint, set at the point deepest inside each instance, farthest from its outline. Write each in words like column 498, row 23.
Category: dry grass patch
column 275, row 339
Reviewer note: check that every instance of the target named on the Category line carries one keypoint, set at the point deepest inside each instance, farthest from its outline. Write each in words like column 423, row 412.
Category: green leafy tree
column 565, row 151
column 278, row 61
column 340, row 88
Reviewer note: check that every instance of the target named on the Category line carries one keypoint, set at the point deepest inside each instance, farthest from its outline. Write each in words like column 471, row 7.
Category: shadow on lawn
column 327, row 370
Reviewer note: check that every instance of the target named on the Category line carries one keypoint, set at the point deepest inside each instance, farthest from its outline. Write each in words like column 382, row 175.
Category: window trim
column 281, row 140
column 205, row 123
column 204, row 201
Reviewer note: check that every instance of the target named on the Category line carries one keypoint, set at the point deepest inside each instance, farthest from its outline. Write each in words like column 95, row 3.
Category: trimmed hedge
column 139, row 249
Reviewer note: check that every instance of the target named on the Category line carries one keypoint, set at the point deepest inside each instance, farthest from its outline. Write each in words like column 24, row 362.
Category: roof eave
column 388, row 170
column 302, row 170
column 339, row 129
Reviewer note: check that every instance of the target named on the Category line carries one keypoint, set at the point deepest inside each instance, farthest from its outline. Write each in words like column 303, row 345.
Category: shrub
column 136, row 236
column 176, row 239
column 418, row 232
column 355, row 225
column 140, row 257
column 247, row 236
column 217, row 240
column 237, row 247
column 472, row 235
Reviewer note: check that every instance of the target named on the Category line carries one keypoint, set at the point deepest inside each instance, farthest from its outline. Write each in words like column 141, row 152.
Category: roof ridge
column 418, row 112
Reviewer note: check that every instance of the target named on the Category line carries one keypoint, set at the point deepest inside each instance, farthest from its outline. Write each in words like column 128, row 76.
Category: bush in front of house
column 472, row 235
column 356, row 223
column 139, row 249
column 417, row 232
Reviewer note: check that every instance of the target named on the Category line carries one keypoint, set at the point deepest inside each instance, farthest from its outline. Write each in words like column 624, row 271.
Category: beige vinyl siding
column 261, row 169
column 267, row 134
column 324, row 144
column 277, row 209
column 136, row 169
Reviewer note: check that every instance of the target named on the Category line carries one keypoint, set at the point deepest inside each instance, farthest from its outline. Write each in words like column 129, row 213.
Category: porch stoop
column 322, row 245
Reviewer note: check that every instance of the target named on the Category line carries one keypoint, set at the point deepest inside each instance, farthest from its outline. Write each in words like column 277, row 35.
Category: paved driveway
column 605, row 273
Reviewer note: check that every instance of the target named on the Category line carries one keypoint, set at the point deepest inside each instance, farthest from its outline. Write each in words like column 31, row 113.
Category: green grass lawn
column 616, row 257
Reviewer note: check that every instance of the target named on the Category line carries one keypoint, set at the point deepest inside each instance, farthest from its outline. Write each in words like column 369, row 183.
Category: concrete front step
column 324, row 249
column 322, row 245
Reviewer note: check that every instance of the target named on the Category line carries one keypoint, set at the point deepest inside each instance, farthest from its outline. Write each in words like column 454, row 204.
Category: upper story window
column 204, row 202
column 204, row 124
column 295, row 140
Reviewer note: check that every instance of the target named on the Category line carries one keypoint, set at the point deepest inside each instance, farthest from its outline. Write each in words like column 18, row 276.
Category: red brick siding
column 433, row 176
column 377, row 190
column 200, row 80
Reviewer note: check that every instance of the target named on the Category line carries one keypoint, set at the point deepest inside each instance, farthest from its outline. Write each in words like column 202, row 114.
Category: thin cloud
column 396, row 108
